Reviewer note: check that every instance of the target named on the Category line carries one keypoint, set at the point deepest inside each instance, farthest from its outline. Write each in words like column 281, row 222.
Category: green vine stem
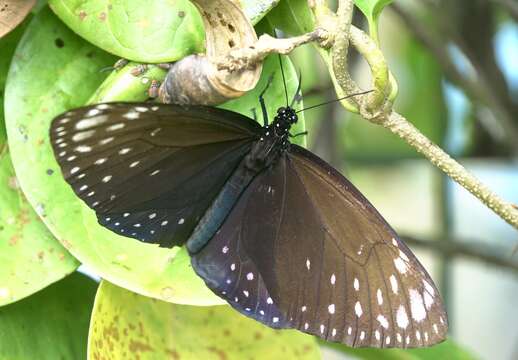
column 377, row 108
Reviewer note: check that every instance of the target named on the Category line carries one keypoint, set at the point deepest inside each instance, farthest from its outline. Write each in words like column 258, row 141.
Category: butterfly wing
column 304, row 249
column 134, row 163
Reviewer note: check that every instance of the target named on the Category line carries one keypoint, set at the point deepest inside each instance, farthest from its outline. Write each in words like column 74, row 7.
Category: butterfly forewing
column 321, row 260
column 150, row 171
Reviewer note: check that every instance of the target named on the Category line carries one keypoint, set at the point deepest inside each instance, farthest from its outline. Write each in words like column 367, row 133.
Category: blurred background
column 457, row 67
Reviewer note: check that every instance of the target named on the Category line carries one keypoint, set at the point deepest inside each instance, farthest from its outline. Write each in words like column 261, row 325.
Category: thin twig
column 398, row 125
column 485, row 253
column 477, row 90
column 248, row 57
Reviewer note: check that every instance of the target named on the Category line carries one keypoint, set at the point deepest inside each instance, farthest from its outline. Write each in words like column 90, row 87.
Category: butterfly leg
column 153, row 89
column 119, row 64
column 261, row 101
column 298, row 134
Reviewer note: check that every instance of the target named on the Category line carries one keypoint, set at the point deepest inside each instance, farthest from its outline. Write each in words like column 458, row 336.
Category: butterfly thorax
column 264, row 153
column 273, row 141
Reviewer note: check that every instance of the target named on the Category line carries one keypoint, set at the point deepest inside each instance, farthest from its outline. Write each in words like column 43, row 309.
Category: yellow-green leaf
column 129, row 326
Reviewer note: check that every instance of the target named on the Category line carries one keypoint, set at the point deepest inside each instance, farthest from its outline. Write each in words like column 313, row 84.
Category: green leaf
column 423, row 104
column 124, row 323
column 50, row 325
column 446, row 350
column 372, row 8
column 292, row 16
column 71, row 76
column 152, row 31
column 30, row 257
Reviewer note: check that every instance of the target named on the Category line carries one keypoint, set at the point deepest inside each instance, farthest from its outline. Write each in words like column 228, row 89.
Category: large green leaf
column 129, row 326
column 50, row 325
column 30, row 257
column 152, row 31
column 71, row 75
column 146, row 269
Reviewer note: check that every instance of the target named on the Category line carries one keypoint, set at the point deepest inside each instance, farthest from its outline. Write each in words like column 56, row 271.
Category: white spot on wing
column 383, row 321
column 416, row 305
column 131, row 115
column 358, row 309
column 356, row 284
column 83, row 135
column 402, row 317
column 93, row 112
column 393, row 283
column 333, row 279
column 379, row 295
column 88, row 123
column 331, row 308
column 269, row 301
column 308, row 264
column 428, row 287
column 400, row 265
column 83, row 148
column 107, row 178
column 428, row 300
column 250, row 276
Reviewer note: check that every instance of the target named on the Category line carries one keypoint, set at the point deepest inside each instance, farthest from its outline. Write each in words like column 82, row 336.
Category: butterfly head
column 286, row 117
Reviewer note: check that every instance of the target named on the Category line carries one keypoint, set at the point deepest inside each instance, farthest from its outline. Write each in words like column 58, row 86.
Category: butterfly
column 271, row 228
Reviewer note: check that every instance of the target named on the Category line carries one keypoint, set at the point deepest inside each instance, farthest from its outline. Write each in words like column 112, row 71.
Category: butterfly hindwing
column 322, row 260
column 135, row 163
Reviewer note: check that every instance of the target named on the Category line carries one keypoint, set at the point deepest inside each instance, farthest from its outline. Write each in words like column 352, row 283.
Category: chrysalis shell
column 12, row 12
column 195, row 79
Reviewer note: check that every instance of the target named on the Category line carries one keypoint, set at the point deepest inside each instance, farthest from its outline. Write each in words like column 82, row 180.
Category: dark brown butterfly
column 271, row 228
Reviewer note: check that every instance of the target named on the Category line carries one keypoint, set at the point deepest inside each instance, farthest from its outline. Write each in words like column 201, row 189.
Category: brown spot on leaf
column 13, row 183
column 226, row 332
column 66, row 244
column 181, row 14
column 102, row 16
column 258, row 335
column 220, row 353
column 231, row 28
column 137, row 346
column 231, row 43
column 14, row 240
column 82, row 15
column 41, row 255
column 173, row 354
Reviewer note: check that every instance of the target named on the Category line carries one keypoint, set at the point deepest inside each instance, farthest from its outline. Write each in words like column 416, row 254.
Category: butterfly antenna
column 297, row 97
column 335, row 100
column 283, row 80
